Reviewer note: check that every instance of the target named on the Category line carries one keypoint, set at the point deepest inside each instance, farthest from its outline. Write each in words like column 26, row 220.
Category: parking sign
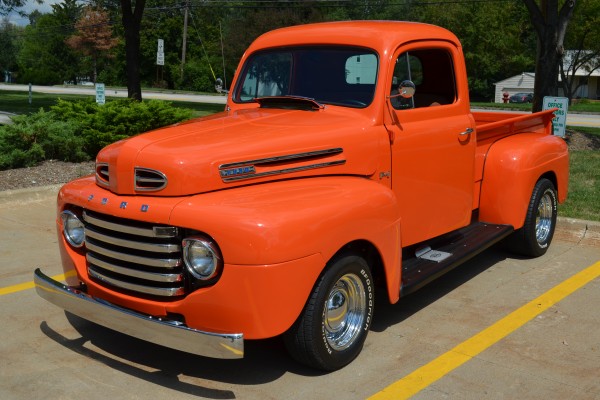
column 559, row 123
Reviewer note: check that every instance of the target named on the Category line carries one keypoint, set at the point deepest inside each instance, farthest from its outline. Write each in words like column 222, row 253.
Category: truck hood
column 238, row 148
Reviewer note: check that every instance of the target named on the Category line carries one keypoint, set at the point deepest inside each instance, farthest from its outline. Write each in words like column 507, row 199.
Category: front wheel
column 334, row 324
column 534, row 238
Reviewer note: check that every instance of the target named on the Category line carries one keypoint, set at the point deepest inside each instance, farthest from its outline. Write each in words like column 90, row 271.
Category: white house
column 524, row 83
column 517, row 84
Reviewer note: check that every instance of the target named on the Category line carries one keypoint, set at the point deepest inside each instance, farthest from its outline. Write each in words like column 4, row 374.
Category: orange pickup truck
column 347, row 162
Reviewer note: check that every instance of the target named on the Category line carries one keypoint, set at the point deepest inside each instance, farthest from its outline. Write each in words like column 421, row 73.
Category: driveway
column 498, row 327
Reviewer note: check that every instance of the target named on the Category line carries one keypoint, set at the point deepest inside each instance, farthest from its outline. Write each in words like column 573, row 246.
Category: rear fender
column 512, row 167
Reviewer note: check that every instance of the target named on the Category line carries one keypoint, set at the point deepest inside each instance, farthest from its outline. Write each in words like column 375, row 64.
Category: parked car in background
column 521, row 98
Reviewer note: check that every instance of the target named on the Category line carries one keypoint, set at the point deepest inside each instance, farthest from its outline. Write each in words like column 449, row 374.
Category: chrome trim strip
column 151, row 290
column 148, row 232
column 284, row 171
column 162, row 178
column 149, row 262
column 163, row 332
column 153, row 247
column 149, row 276
column 288, row 157
column 100, row 179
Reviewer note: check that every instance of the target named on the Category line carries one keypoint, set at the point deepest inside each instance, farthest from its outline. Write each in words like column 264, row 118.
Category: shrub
column 38, row 137
column 76, row 131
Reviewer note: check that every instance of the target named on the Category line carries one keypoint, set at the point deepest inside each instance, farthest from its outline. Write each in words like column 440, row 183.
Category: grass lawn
column 17, row 102
column 583, row 201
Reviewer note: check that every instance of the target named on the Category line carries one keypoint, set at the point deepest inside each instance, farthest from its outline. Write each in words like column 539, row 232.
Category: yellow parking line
column 424, row 376
column 27, row 285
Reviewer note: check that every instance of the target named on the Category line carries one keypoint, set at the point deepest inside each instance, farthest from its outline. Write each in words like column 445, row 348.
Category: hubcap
column 345, row 312
column 543, row 220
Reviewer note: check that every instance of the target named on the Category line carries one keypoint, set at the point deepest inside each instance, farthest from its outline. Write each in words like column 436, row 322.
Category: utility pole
column 185, row 27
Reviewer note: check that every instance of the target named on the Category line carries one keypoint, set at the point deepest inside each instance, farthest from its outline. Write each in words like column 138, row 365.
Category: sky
column 31, row 5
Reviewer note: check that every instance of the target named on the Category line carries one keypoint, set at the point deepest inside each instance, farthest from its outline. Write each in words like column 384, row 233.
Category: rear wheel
column 534, row 238
column 334, row 324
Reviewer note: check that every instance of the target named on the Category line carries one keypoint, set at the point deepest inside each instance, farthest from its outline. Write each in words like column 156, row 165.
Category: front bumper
column 160, row 331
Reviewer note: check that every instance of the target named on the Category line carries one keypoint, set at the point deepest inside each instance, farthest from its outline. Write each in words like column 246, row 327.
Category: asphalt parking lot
column 498, row 327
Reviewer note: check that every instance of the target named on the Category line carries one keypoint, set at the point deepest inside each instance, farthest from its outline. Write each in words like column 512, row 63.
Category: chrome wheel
column 534, row 237
column 544, row 217
column 334, row 324
column 345, row 312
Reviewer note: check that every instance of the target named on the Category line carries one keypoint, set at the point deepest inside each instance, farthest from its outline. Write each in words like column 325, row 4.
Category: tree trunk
column 131, row 23
column 548, row 57
column 550, row 25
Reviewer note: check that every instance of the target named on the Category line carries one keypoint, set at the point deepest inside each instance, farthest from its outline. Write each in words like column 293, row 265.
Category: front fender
column 512, row 167
column 287, row 220
column 275, row 238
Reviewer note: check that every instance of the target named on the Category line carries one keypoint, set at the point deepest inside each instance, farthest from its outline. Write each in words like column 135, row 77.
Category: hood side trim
column 288, row 157
column 227, row 178
column 242, row 170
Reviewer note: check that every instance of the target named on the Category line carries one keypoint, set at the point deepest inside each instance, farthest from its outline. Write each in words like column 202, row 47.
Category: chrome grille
column 149, row 180
column 132, row 256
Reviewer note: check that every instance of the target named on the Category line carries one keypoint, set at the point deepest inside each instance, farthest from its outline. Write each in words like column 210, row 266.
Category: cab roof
column 383, row 36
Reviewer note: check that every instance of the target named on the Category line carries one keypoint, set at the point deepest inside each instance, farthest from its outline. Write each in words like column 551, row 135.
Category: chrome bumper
column 166, row 333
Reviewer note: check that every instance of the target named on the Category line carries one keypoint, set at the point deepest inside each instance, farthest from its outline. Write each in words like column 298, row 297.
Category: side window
column 431, row 71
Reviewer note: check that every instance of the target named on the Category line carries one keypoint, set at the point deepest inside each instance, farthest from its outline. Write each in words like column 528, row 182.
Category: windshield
column 343, row 76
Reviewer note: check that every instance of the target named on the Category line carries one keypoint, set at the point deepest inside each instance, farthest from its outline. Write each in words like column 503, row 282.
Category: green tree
column 495, row 37
column 583, row 47
column 6, row 6
column 93, row 37
column 9, row 47
column 44, row 58
column 131, row 17
column 550, row 21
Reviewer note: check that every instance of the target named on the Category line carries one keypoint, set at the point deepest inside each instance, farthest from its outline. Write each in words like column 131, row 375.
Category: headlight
column 202, row 258
column 73, row 228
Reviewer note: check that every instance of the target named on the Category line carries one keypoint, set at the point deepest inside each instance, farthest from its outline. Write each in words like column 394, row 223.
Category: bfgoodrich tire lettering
column 335, row 322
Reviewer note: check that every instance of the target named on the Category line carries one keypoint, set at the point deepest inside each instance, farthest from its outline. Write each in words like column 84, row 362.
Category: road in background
column 589, row 120
column 122, row 93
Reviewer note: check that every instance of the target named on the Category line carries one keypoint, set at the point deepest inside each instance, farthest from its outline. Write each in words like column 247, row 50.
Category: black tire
column 334, row 324
column 534, row 238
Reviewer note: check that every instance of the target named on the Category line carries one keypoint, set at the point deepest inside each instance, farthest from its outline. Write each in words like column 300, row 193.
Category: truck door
column 433, row 145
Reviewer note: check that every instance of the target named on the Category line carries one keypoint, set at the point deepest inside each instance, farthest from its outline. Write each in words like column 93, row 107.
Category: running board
column 434, row 258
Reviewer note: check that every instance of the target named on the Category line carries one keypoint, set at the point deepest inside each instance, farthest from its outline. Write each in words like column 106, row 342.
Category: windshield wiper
column 289, row 102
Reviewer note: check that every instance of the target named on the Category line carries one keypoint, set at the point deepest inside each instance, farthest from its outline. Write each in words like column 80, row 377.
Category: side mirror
column 219, row 86
column 407, row 89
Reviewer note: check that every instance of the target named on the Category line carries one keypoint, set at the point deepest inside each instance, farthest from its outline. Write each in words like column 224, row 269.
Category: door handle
column 468, row 131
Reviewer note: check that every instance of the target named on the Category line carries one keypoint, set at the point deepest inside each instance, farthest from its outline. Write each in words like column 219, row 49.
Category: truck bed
column 493, row 126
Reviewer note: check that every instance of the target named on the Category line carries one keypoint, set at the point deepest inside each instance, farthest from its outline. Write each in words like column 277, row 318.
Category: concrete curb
column 29, row 195
column 578, row 231
column 567, row 229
